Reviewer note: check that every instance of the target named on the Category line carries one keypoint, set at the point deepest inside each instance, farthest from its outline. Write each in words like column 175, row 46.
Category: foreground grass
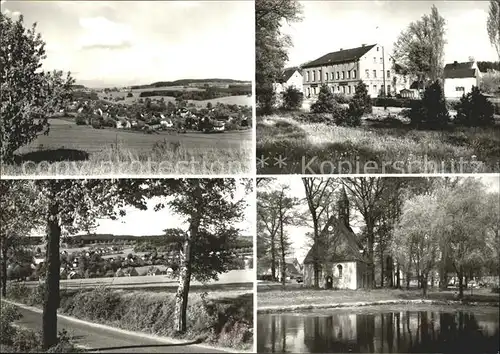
column 164, row 158
column 273, row 297
column 318, row 148
column 217, row 318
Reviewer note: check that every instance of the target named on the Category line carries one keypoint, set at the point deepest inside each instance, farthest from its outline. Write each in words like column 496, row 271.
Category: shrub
column 292, row 99
column 17, row 291
column 474, row 110
column 9, row 315
column 490, row 81
column 325, row 102
column 81, row 120
column 341, row 98
column 266, row 97
column 27, row 341
column 130, row 94
column 96, row 123
column 431, row 111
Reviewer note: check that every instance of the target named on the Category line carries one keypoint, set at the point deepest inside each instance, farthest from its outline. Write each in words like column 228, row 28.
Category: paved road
column 104, row 339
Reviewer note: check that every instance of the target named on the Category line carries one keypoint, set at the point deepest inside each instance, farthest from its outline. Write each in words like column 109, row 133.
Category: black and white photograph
column 127, row 265
column 378, row 264
column 366, row 87
column 108, row 88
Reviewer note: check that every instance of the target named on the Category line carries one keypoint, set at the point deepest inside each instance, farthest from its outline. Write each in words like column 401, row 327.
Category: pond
column 381, row 330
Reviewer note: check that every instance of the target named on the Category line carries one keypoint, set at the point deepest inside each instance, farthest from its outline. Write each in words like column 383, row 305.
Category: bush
column 341, row 98
column 96, row 123
column 9, row 315
column 474, row 110
column 292, row 99
column 490, row 81
column 393, row 102
column 130, row 94
column 81, row 120
column 325, row 102
column 431, row 111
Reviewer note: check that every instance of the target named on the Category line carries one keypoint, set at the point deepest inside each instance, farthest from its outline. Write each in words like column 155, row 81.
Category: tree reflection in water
column 377, row 332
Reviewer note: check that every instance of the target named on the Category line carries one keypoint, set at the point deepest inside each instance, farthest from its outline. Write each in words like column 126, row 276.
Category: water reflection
column 380, row 332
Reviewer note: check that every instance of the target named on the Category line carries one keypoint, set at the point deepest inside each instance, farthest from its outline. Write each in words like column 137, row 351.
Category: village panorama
column 103, row 92
column 406, row 87
column 378, row 264
column 127, row 265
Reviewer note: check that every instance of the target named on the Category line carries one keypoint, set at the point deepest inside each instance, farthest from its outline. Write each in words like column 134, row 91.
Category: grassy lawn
column 81, row 150
column 270, row 296
column 318, row 148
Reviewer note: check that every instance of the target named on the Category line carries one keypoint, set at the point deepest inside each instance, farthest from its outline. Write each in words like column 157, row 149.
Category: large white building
column 342, row 70
column 459, row 78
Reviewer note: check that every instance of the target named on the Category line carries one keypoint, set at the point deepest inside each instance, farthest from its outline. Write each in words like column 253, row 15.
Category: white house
column 292, row 77
column 459, row 78
column 122, row 123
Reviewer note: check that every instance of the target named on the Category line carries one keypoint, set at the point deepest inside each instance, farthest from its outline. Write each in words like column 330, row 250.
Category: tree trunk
column 398, row 277
column 315, row 253
column 460, row 284
column 52, row 262
column 407, row 281
column 273, row 258
column 424, row 284
column 4, row 270
column 181, row 297
column 382, row 265
column 371, row 236
column 283, row 264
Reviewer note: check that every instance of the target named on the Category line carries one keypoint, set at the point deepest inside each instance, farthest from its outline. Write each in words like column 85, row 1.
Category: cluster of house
column 342, row 70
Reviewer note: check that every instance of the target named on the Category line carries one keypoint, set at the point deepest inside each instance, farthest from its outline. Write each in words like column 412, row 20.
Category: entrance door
column 329, row 282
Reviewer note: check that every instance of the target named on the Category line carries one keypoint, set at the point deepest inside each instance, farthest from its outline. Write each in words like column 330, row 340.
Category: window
column 388, row 89
column 367, row 72
column 354, row 89
column 459, row 88
column 331, row 76
column 343, row 89
column 374, row 74
column 343, row 75
column 375, row 89
column 319, row 75
column 388, row 74
column 314, row 76
column 354, row 74
column 338, row 75
column 307, row 76
column 377, row 49
column 339, row 269
column 348, row 74
column 381, row 60
column 349, row 89
column 375, row 60
column 326, row 76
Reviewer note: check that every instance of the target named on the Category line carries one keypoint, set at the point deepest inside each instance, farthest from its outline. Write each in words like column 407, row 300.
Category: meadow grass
column 321, row 148
column 279, row 297
column 220, row 318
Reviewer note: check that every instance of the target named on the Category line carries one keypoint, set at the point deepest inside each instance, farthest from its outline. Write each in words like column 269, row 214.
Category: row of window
column 342, row 75
column 347, row 89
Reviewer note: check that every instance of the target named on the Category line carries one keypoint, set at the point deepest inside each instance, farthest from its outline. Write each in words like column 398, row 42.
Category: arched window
column 339, row 268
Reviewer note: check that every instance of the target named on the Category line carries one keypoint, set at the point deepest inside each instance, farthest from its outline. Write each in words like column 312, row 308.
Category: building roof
column 341, row 56
column 288, row 72
column 459, row 70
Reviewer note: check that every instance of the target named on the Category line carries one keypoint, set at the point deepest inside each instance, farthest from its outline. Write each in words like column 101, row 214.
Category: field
column 105, row 151
column 318, row 148
column 243, row 100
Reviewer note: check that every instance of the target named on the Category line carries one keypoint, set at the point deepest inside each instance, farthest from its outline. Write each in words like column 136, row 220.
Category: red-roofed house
column 459, row 78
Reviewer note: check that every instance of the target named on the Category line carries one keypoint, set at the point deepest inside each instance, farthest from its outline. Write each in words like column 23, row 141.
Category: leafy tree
column 419, row 49
column 359, row 105
column 18, row 214
column 209, row 105
column 493, row 25
column 130, row 94
column 28, row 95
column 292, row 98
column 271, row 45
column 210, row 210
column 490, row 81
column 474, row 109
column 325, row 102
column 431, row 111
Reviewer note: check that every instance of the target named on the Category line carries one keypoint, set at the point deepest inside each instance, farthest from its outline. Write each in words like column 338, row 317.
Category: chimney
column 341, row 49
column 363, row 44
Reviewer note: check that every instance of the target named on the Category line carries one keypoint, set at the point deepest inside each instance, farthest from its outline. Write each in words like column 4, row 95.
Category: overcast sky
column 108, row 43
column 330, row 25
column 301, row 245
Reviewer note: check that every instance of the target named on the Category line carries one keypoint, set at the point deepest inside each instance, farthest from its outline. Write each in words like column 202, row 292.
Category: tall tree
column 210, row 209
column 319, row 193
column 367, row 194
column 493, row 25
column 271, row 45
column 419, row 49
column 28, row 95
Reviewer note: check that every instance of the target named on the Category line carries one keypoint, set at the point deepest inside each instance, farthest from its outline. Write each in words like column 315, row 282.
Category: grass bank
column 310, row 147
column 213, row 318
column 272, row 299
column 15, row 339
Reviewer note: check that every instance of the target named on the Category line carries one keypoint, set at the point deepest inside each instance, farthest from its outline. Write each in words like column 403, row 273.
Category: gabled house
column 291, row 77
column 340, row 258
column 459, row 78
